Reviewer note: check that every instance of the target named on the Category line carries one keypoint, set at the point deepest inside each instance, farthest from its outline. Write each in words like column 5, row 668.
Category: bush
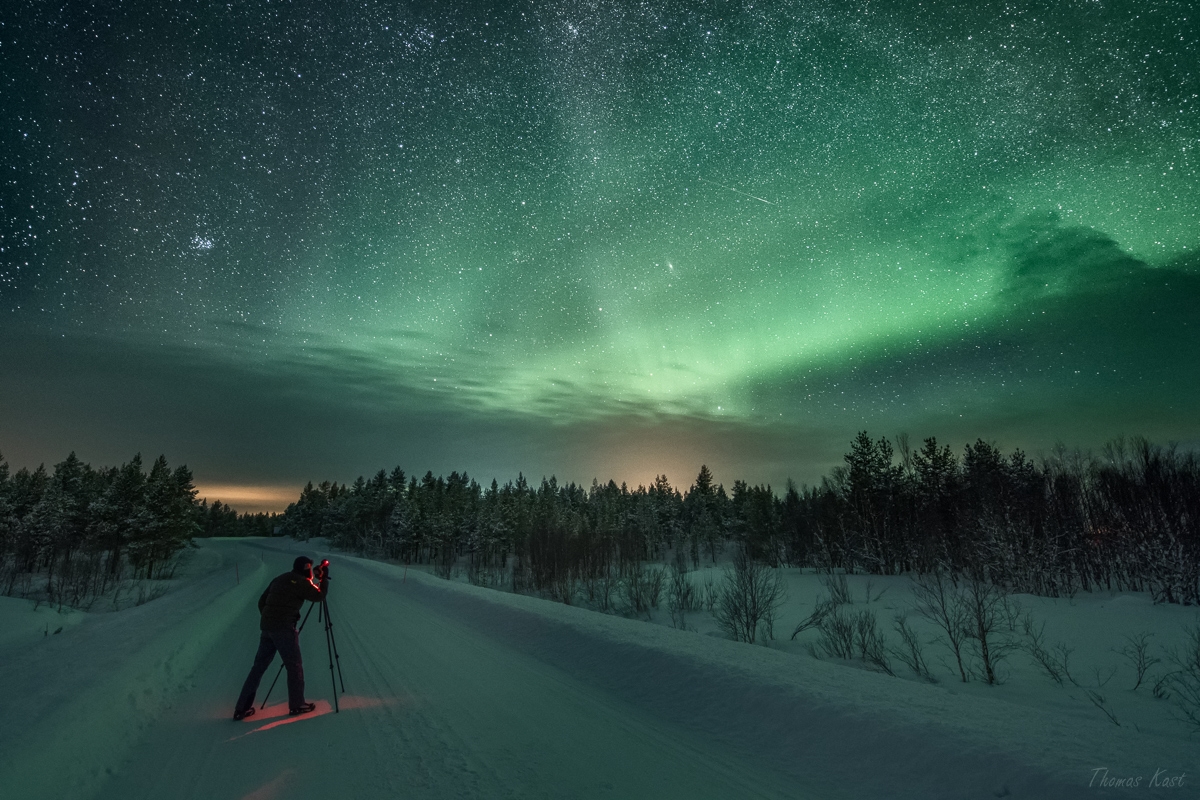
column 1184, row 680
column 655, row 578
column 837, row 634
column 985, row 605
column 682, row 596
column 749, row 597
column 839, row 589
column 946, row 606
column 1056, row 661
column 821, row 609
column 636, row 586
column 681, row 592
column 872, row 647
column 914, row 653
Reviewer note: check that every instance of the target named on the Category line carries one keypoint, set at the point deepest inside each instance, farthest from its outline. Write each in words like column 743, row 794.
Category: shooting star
column 739, row 191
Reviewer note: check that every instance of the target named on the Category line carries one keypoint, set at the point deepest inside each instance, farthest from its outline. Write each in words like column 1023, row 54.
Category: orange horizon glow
column 249, row 498
column 633, row 460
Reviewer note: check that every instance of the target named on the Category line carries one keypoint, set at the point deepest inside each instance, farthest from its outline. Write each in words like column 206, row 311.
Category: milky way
column 283, row 241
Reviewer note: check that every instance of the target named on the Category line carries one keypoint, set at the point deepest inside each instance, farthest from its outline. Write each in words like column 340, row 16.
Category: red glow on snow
column 279, row 713
column 276, row 715
column 272, row 788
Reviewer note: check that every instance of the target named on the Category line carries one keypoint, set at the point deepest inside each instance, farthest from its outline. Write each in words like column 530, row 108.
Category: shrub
column 749, row 598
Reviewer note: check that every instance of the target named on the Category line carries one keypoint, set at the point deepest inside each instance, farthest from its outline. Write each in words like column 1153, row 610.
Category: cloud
column 1049, row 257
column 1085, row 343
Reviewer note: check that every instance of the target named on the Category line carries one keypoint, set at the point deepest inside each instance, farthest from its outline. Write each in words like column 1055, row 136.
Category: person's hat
column 302, row 564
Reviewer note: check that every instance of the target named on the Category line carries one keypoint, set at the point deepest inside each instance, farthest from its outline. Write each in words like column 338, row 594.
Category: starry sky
column 282, row 241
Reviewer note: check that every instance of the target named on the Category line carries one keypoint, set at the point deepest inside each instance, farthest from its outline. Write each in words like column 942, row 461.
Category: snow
column 24, row 622
column 462, row 691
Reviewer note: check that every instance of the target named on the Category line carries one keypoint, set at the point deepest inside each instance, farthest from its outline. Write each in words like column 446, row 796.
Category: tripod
column 330, row 647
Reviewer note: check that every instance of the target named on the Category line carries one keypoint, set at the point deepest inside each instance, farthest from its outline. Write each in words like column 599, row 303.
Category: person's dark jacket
column 280, row 604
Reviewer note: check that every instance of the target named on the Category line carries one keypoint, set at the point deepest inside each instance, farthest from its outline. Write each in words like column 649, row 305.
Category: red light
column 276, row 715
column 279, row 713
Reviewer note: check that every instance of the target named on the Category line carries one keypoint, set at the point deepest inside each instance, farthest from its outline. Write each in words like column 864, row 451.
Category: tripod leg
column 268, row 694
column 333, row 640
column 280, row 672
column 329, row 649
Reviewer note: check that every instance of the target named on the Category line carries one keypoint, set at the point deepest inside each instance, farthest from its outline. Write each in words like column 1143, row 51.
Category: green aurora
column 287, row 241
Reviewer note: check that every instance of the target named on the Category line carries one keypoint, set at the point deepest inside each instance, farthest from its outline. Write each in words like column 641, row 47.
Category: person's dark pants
column 287, row 642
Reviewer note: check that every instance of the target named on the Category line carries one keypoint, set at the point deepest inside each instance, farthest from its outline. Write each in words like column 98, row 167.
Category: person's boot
column 238, row 716
column 303, row 708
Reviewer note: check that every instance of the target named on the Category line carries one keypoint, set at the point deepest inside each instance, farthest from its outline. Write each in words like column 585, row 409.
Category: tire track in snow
column 525, row 729
column 407, row 739
column 491, row 679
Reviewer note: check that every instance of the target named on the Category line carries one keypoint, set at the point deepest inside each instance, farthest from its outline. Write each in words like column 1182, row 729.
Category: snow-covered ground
column 459, row 691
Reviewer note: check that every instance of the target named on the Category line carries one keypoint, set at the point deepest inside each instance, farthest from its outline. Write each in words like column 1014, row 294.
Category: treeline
column 1127, row 520
column 71, row 534
column 553, row 535
column 219, row 519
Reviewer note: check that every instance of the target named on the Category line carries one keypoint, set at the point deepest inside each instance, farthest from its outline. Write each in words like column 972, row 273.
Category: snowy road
column 434, row 708
column 457, row 692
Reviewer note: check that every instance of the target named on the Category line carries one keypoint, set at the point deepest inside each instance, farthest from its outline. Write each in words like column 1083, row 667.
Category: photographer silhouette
column 279, row 607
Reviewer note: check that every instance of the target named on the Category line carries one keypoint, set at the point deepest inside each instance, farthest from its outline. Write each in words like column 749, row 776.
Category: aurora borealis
column 290, row 241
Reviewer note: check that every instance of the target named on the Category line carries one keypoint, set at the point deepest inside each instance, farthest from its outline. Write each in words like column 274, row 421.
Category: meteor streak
column 739, row 191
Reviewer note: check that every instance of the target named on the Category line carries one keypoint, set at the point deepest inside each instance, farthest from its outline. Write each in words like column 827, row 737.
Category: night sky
column 282, row 241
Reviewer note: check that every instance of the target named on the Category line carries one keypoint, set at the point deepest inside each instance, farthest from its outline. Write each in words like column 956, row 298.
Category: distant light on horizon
column 249, row 498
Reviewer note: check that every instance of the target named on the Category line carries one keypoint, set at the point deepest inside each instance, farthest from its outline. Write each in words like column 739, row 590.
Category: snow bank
column 1040, row 724
column 85, row 696
column 23, row 622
